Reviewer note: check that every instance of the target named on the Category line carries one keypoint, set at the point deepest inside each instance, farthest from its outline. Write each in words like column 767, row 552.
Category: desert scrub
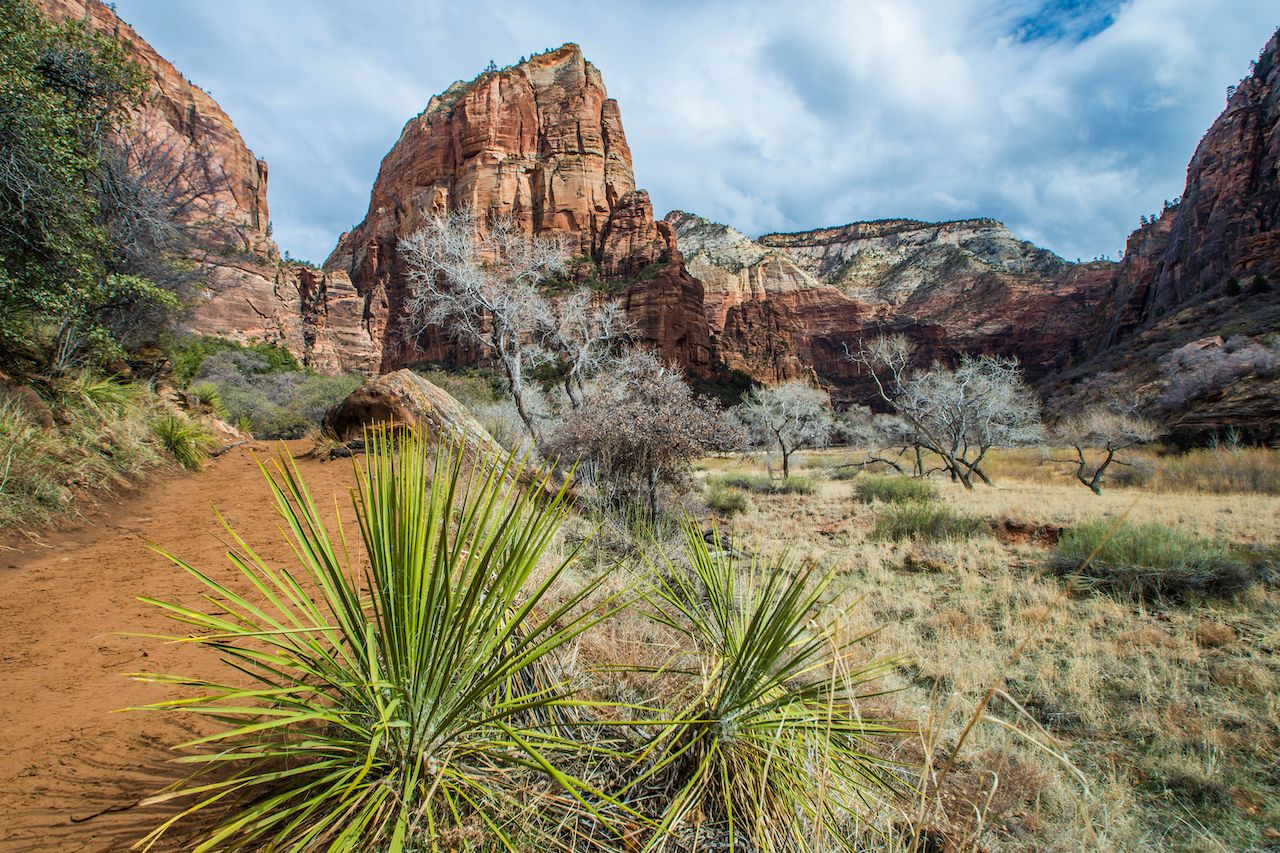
column 872, row 487
column 766, row 485
column 259, row 388
column 100, row 438
column 208, row 396
column 188, row 356
column 1220, row 470
column 188, row 441
column 925, row 522
column 1148, row 562
column 727, row 499
column 419, row 700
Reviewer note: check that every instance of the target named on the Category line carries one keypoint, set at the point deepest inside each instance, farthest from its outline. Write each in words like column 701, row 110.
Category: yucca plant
column 399, row 697
column 189, row 441
column 769, row 750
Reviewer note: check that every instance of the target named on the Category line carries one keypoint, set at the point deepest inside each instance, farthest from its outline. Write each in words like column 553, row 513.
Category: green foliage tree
column 66, row 99
column 1233, row 287
column 1259, row 284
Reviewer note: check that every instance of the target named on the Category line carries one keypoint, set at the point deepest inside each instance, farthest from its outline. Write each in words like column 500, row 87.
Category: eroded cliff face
column 542, row 143
column 787, row 302
column 1228, row 221
column 251, row 294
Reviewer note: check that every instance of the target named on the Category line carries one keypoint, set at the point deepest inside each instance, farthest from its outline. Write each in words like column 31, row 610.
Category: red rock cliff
column 251, row 294
column 542, row 143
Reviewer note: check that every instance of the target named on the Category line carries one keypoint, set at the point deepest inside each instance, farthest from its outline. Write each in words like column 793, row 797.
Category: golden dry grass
column 1165, row 718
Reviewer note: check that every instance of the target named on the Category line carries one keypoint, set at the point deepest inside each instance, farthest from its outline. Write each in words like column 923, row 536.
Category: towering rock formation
column 1203, row 278
column 251, row 293
column 540, row 142
column 1228, row 220
column 967, row 286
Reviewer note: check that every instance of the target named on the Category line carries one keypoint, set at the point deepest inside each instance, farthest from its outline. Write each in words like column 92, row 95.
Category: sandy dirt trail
column 67, row 607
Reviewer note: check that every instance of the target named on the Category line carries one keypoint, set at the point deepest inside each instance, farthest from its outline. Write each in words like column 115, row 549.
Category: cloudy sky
column 1067, row 119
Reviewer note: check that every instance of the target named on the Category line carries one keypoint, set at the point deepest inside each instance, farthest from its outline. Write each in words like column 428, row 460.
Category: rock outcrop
column 789, row 302
column 542, row 143
column 405, row 399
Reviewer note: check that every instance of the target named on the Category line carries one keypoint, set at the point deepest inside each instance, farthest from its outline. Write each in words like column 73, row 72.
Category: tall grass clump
column 401, row 691
column 1220, row 470
column 100, row 437
column 770, row 750
column 190, row 442
column 727, row 499
column 1148, row 562
column 871, row 487
column 925, row 522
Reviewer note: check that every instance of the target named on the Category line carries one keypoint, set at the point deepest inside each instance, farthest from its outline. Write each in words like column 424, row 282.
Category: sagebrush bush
column 764, row 484
column 188, row 356
column 726, row 499
column 887, row 489
column 272, row 402
column 924, row 522
column 1149, row 562
column 188, row 441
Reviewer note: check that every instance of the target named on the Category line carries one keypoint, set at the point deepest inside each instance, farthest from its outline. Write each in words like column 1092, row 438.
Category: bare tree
column 790, row 417
column 957, row 413
column 638, row 430
column 1104, row 431
column 479, row 281
column 582, row 334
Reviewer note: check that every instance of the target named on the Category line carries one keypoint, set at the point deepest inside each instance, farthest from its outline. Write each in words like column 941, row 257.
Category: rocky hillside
column 1193, row 314
column 788, row 301
column 542, row 143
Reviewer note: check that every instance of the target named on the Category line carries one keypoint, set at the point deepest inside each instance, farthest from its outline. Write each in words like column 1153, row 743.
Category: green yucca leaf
column 770, row 748
column 383, row 701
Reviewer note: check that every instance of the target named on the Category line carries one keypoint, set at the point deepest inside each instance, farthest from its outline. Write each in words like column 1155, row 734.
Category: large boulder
column 405, row 399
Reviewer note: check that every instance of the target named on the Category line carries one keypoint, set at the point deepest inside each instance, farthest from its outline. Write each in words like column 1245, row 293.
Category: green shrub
column 210, row 398
column 766, row 485
column 403, row 695
column 188, row 357
column 1148, row 562
column 189, row 441
column 872, row 487
column 926, row 522
column 726, row 499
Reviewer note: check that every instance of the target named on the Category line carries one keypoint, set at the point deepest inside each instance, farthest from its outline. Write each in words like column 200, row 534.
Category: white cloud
column 767, row 115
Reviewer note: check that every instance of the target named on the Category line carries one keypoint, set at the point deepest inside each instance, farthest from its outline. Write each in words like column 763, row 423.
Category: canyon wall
column 787, row 302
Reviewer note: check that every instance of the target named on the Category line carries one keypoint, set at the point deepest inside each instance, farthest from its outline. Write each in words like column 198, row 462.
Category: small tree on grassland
column 789, row 417
column 638, row 430
column 1102, row 432
column 957, row 413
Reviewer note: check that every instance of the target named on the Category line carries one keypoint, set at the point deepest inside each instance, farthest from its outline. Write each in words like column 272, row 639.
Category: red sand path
column 64, row 754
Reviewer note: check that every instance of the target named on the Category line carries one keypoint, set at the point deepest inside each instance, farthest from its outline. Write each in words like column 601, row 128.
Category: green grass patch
column 766, row 485
column 727, row 499
column 873, row 487
column 925, row 522
column 1149, row 562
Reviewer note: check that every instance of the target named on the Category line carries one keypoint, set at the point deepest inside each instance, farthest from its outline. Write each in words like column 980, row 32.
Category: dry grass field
column 1114, row 723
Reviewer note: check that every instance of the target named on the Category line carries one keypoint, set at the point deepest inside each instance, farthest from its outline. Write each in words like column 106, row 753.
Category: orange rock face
column 251, row 295
column 1228, row 221
column 542, row 143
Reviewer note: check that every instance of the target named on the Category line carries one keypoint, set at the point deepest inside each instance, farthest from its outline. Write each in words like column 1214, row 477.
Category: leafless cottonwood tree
column 638, row 430
column 958, row 413
column 1103, row 431
column 790, row 417
column 479, row 281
